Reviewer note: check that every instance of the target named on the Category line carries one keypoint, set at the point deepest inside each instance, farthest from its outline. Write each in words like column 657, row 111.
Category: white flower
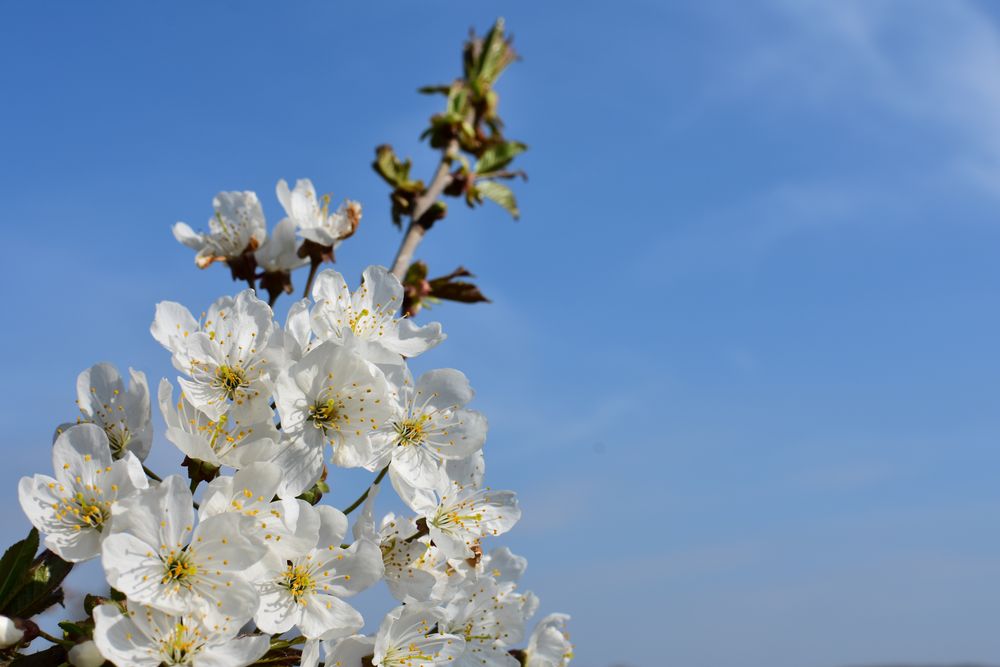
column 468, row 471
column 286, row 527
column 10, row 634
column 312, row 214
column 298, row 336
column 499, row 566
column 430, row 426
column 229, row 359
column 506, row 569
column 147, row 637
column 124, row 414
column 306, row 590
column 174, row 323
column 331, row 396
column 549, row 645
column 405, row 639
column 412, row 566
column 225, row 441
column 237, row 226
column 85, row 654
column 280, row 252
column 156, row 556
column 458, row 516
column 369, row 317
column 487, row 623
column 350, row 651
column 74, row 508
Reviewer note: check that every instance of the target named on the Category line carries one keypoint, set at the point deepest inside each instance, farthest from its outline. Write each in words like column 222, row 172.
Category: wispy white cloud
column 927, row 74
column 937, row 64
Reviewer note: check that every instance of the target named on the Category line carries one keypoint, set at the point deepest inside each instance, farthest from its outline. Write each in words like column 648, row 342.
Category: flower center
column 180, row 646
column 299, row 582
column 119, row 436
column 178, row 569
column 410, row 431
column 231, row 379
column 88, row 511
column 324, row 414
column 404, row 656
column 452, row 518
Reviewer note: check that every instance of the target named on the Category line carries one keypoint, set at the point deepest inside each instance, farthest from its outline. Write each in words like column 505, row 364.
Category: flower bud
column 10, row 634
column 85, row 655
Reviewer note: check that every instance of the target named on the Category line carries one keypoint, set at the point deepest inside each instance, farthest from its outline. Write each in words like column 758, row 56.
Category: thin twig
column 152, row 475
column 363, row 496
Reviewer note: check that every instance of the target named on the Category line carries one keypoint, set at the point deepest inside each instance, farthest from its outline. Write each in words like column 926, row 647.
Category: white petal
column 119, row 640
column 237, row 652
column 349, row 651
column 444, row 388
column 328, row 617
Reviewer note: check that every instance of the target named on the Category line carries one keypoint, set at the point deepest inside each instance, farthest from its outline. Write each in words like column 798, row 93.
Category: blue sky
column 741, row 361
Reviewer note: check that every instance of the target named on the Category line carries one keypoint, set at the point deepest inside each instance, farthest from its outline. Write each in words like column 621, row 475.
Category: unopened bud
column 353, row 211
column 85, row 654
column 10, row 634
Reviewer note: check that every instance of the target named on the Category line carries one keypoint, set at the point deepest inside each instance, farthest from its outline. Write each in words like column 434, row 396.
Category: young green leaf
column 500, row 194
column 498, row 156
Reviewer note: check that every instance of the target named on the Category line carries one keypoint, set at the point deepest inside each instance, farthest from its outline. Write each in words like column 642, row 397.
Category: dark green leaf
column 14, row 568
column 90, row 602
column 73, row 631
column 500, row 194
column 41, row 591
column 50, row 657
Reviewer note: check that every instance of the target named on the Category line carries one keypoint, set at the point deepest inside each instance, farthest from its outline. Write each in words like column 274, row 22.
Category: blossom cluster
column 262, row 413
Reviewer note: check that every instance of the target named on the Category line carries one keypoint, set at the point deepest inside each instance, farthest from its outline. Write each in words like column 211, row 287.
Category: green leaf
column 14, row 568
column 457, row 99
column 500, row 194
column 416, row 273
column 498, row 156
column 491, row 61
column 74, row 631
column 391, row 168
column 42, row 590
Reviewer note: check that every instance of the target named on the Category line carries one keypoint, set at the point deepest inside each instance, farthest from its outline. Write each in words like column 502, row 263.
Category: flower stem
column 313, row 265
column 60, row 642
column 361, row 498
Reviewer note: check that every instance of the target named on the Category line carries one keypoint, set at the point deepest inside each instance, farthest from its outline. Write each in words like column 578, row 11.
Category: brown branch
column 415, row 232
column 313, row 265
